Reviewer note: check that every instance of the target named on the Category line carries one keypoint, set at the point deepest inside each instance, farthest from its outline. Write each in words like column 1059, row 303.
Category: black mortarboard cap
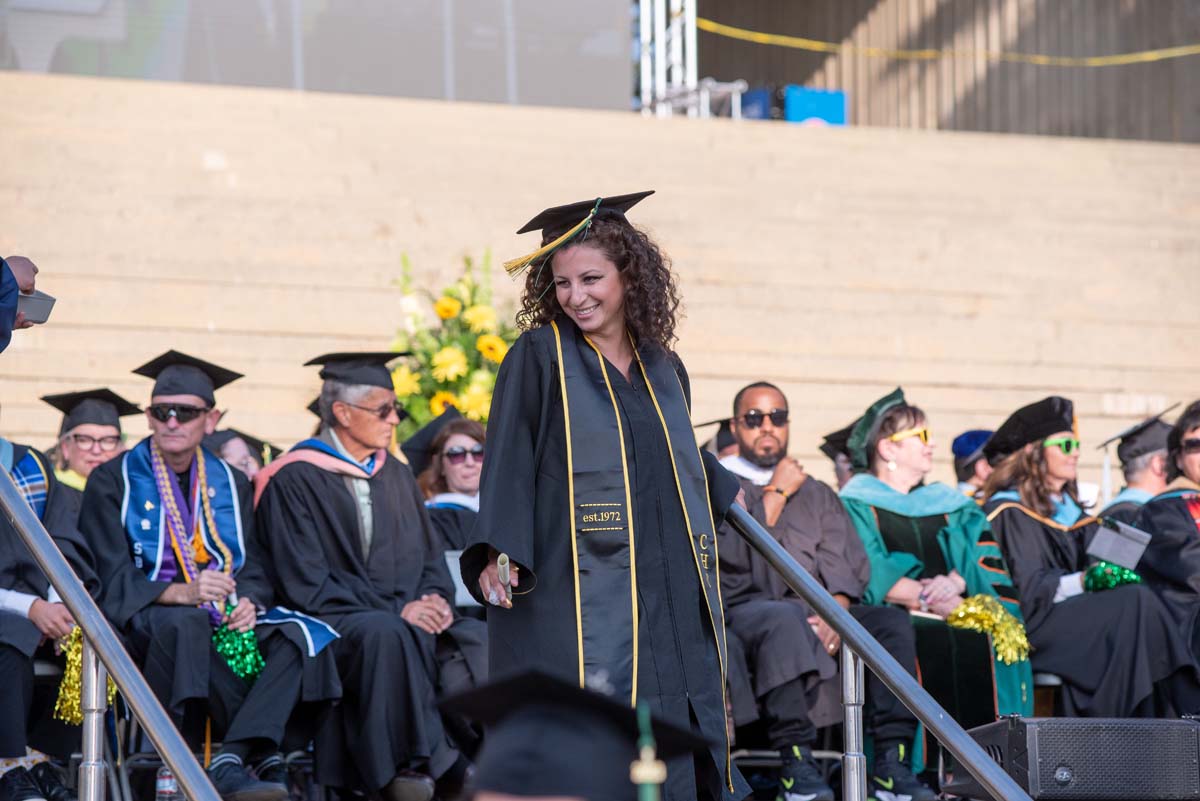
column 1031, row 423
column 263, row 451
column 554, row 222
column 101, row 407
column 315, row 406
column 176, row 373
column 418, row 448
column 537, row 728
column 368, row 368
column 561, row 224
column 724, row 436
column 838, row 442
column 1148, row 436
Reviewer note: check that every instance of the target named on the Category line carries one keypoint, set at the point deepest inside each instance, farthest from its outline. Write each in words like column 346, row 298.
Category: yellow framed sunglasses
column 923, row 433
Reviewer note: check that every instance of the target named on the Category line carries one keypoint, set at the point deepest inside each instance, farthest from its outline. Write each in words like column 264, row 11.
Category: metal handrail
column 968, row 752
column 158, row 726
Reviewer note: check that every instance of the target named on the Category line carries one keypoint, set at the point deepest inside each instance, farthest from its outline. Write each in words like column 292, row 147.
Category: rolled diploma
column 503, row 574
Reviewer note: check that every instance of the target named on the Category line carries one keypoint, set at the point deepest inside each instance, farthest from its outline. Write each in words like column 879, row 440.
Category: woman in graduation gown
column 931, row 551
column 598, row 494
column 89, row 436
column 1117, row 650
column 446, row 456
column 1171, row 563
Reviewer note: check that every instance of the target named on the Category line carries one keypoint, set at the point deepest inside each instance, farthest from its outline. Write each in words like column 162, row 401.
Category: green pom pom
column 1107, row 576
column 240, row 651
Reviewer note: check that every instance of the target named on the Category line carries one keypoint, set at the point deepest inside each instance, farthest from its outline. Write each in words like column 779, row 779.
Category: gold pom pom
column 69, row 706
column 983, row 613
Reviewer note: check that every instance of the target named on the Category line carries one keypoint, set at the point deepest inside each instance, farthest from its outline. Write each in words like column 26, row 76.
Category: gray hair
column 336, row 391
column 1135, row 467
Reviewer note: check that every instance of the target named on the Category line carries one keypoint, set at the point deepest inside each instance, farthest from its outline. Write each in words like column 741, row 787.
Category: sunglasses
column 382, row 412
column 1067, row 445
column 458, row 454
column 107, row 444
column 162, row 412
column 1190, row 446
column 921, row 433
column 754, row 418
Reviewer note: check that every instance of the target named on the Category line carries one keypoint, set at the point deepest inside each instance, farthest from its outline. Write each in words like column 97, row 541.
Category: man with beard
column 789, row 649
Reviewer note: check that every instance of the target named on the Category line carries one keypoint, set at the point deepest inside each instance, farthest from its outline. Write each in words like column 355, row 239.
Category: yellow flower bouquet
column 455, row 351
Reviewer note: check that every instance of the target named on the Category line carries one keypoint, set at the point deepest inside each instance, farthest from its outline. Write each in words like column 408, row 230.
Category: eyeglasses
column 107, row 444
column 162, row 412
column 922, row 433
column 458, row 454
column 382, row 412
column 754, row 418
column 1067, row 445
column 1190, row 446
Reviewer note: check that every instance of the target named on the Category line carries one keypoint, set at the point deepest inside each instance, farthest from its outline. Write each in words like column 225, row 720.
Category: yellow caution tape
column 816, row 46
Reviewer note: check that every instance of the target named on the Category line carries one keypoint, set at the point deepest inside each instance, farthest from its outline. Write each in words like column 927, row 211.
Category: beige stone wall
column 257, row 228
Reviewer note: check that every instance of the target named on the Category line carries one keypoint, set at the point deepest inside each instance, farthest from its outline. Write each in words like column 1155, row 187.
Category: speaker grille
column 1152, row 760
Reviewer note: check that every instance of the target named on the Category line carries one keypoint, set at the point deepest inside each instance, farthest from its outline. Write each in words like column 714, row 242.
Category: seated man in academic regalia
column 89, row 436
column 32, row 620
column 172, row 530
column 835, row 447
column 350, row 542
column 1142, row 451
column 789, row 649
column 971, row 468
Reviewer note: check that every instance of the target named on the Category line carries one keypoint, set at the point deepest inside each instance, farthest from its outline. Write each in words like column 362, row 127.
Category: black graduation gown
column 72, row 500
column 1119, row 652
column 174, row 643
column 524, row 512
column 1171, row 563
column 1125, row 511
column 26, row 719
column 453, row 525
column 388, row 720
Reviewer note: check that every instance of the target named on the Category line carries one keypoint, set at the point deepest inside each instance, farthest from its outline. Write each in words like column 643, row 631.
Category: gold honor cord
column 929, row 54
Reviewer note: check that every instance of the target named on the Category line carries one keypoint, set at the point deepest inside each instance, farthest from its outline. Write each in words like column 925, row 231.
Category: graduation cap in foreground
column 724, row 436
column 547, row 737
column 560, row 224
column 1148, row 436
column 176, row 373
column 101, row 407
column 838, row 442
column 968, row 446
column 263, row 451
column 1031, row 423
column 418, row 448
column 368, row 368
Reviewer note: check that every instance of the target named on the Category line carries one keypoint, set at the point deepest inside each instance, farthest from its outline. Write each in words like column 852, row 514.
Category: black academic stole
column 602, row 523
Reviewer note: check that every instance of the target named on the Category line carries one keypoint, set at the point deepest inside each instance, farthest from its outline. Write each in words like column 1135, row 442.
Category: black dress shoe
column 408, row 786
column 50, row 782
column 234, row 784
column 18, row 785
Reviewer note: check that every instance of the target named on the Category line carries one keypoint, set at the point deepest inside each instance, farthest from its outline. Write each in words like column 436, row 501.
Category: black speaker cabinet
column 1091, row 759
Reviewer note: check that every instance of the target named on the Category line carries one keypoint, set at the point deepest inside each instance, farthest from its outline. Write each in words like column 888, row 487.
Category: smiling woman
column 590, row 433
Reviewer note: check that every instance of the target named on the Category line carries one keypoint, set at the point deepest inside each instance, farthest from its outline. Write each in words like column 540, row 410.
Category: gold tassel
column 983, row 613
column 69, row 706
column 514, row 266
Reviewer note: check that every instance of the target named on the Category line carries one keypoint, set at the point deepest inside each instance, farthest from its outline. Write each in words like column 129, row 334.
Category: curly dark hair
column 651, row 297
